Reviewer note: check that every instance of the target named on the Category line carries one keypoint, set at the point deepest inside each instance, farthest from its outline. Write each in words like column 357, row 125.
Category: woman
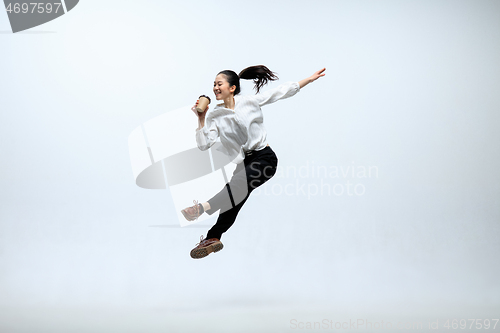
column 238, row 121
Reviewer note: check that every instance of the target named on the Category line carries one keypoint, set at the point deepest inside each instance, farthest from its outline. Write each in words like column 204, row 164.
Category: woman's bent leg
column 233, row 192
column 225, row 221
column 236, row 192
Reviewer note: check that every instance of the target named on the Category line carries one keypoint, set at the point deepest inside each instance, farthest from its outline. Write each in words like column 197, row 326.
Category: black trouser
column 258, row 167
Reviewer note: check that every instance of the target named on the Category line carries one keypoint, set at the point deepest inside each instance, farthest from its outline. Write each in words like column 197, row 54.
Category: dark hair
column 259, row 74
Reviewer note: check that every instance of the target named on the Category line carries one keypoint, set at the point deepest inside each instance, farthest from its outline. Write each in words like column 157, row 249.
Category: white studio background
column 411, row 89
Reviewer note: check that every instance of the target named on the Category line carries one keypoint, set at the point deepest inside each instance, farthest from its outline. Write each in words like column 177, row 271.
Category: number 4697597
column 39, row 7
column 474, row 323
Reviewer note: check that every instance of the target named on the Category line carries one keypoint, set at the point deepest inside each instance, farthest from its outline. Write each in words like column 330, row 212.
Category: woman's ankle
column 206, row 206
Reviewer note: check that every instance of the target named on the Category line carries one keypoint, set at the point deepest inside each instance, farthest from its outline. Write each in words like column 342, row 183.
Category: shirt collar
column 220, row 107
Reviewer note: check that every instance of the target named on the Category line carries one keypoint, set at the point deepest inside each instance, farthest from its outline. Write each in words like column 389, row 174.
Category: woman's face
column 221, row 88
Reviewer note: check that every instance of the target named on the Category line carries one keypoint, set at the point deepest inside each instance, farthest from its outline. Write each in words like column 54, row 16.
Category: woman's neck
column 229, row 102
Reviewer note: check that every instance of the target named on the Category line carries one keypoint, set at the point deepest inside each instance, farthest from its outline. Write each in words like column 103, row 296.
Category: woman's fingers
column 194, row 107
column 200, row 115
column 318, row 74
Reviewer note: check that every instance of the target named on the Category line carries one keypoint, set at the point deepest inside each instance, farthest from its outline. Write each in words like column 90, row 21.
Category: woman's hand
column 317, row 75
column 200, row 115
column 312, row 78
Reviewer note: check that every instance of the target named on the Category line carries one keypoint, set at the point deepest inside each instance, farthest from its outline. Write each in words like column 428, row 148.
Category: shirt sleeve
column 281, row 92
column 207, row 135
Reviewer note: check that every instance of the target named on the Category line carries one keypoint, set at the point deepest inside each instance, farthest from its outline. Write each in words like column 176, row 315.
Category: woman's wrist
column 303, row 83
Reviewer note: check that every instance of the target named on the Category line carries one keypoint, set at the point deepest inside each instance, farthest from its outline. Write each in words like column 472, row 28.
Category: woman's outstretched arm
column 314, row 77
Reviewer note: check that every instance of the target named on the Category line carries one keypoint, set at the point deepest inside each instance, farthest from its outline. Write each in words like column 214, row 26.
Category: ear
column 232, row 89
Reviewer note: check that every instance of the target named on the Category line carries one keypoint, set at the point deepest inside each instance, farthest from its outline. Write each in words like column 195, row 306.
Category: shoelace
column 201, row 240
column 196, row 208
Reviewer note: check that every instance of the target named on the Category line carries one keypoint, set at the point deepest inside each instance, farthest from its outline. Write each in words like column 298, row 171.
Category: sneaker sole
column 205, row 251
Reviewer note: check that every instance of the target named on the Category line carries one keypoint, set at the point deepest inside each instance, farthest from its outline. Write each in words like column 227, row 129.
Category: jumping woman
column 238, row 121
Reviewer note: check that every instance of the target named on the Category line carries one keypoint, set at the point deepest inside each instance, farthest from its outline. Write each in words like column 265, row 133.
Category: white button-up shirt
column 241, row 129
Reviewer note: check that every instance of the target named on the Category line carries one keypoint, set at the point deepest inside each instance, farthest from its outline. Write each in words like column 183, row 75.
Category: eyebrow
column 217, row 81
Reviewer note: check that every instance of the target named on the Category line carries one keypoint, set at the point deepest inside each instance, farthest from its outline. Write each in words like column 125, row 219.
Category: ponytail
column 259, row 74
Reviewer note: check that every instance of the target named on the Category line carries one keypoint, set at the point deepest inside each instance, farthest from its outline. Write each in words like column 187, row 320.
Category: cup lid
column 206, row 97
